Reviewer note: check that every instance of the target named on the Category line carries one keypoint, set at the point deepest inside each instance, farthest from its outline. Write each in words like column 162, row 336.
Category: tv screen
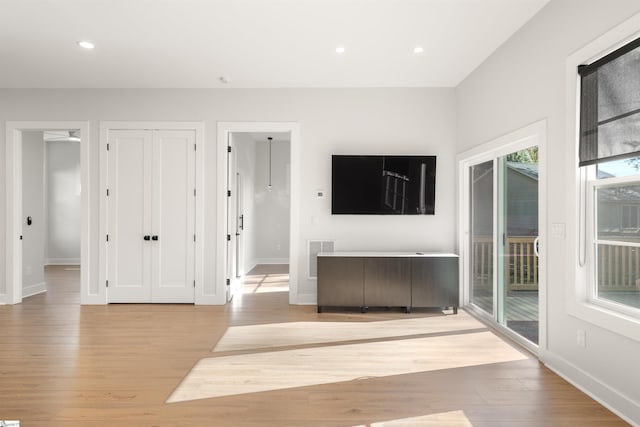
column 383, row 185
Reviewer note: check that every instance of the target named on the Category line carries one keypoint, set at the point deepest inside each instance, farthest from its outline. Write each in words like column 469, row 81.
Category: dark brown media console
column 374, row 279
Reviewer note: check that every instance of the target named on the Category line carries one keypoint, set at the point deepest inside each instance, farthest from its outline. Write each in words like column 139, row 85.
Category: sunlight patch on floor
column 448, row 419
column 263, row 283
column 276, row 370
column 298, row 333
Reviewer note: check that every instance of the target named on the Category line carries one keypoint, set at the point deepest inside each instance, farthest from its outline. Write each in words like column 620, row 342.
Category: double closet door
column 151, row 216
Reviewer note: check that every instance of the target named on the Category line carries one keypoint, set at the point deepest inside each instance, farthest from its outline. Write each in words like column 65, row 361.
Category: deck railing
column 618, row 268
column 521, row 264
column 482, row 259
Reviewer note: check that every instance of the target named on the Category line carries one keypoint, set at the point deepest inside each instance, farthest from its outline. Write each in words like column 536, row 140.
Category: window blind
column 610, row 106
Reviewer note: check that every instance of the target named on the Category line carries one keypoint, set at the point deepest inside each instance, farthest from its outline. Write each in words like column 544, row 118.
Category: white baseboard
column 32, row 290
column 62, row 261
column 272, row 261
column 612, row 399
column 306, row 299
column 251, row 267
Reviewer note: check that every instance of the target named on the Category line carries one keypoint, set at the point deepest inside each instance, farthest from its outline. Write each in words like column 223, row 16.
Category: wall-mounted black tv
column 383, row 185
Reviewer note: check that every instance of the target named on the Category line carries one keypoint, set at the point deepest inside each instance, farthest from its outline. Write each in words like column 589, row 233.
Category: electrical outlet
column 581, row 338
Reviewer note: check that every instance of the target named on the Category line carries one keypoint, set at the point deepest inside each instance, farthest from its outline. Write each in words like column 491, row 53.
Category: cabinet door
column 173, row 218
column 387, row 282
column 129, row 216
column 340, row 281
column 434, row 282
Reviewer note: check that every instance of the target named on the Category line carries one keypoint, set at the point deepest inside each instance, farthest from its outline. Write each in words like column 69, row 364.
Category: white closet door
column 129, row 216
column 173, row 219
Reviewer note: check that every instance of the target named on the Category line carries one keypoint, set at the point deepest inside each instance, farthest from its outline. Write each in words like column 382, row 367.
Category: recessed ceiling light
column 85, row 44
column 340, row 49
column 418, row 49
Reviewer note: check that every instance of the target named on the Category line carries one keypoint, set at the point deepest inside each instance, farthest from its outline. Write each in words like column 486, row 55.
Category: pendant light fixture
column 269, row 187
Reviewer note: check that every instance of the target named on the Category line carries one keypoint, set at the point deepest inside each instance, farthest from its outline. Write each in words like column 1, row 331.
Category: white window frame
column 593, row 186
column 578, row 298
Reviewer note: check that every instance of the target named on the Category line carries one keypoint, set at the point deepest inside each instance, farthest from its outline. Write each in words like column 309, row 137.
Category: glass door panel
column 518, row 229
column 482, row 236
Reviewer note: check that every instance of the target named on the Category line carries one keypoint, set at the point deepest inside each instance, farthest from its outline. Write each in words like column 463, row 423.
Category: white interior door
column 239, row 227
column 231, row 279
column 151, row 216
column 173, row 219
column 129, row 216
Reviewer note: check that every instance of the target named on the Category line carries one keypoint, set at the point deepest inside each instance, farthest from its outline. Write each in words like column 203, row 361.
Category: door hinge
column 194, row 283
column 228, row 282
column 194, row 192
column 107, row 237
column 228, row 148
column 228, row 193
column 107, row 283
column 195, row 147
column 107, row 192
column 107, row 147
column 228, row 237
column 194, row 237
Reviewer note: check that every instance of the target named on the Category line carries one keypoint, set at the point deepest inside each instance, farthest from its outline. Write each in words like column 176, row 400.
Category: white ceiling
column 253, row 43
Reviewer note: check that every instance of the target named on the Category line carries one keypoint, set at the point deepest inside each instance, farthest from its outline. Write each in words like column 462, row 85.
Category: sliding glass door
column 518, row 225
column 503, row 213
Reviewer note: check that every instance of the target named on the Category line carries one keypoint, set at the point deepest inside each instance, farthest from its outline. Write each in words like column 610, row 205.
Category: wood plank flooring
column 62, row 364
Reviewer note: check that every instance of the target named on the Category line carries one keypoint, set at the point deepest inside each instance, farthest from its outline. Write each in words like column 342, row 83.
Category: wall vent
column 314, row 247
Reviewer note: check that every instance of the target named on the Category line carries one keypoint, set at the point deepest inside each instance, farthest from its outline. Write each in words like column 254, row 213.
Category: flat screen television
column 383, row 185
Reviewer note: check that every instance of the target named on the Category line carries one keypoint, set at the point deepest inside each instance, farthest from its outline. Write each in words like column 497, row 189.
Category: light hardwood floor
column 267, row 364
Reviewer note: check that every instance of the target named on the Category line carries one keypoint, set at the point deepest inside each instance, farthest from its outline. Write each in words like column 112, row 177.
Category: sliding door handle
column 147, row 237
column 536, row 244
column 154, row 237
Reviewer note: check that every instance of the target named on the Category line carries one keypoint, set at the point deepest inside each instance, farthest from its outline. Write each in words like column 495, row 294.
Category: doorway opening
column 258, row 205
column 258, row 209
column 47, row 209
column 51, row 192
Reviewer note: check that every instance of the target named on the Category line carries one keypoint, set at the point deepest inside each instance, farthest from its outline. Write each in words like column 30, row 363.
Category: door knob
column 154, row 237
column 147, row 237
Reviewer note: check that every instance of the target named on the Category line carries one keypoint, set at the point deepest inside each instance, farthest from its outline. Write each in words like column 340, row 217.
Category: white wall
column 521, row 83
column 33, row 236
column 272, row 207
column 368, row 121
column 63, row 202
column 246, row 164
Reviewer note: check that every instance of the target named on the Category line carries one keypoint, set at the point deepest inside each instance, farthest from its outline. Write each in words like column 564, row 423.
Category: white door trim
column 201, row 296
column 533, row 134
column 12, row 293
column 224, row 128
